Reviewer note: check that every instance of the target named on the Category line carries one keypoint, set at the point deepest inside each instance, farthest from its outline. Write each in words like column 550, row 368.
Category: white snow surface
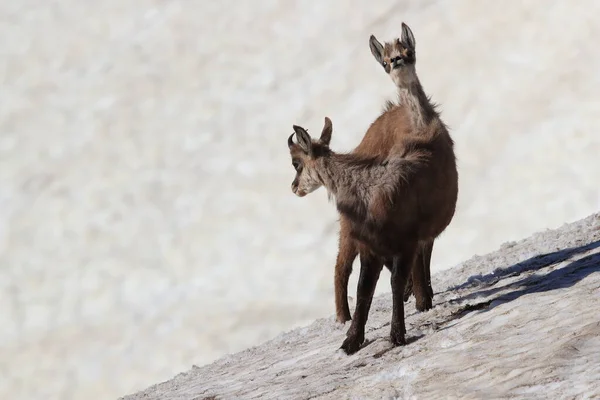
column 521, row 322
column 146, row 218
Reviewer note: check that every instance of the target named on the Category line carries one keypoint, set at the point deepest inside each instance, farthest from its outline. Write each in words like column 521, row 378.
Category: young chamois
column 391, row 205
column 398, row 59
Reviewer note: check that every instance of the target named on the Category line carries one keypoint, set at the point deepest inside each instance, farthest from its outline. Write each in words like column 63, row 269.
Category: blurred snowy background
column 146, row 217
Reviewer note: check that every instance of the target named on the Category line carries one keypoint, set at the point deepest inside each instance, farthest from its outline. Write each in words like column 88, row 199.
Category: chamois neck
column 332, row 173
column 347, row 172
column 412, row 95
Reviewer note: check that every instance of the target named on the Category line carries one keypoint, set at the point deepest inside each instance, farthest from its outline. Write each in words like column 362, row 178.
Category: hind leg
column 408, row 290
column 427, row 265
column 422, row 277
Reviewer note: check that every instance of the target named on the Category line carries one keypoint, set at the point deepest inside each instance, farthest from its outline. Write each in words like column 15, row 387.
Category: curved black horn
column 290, row 141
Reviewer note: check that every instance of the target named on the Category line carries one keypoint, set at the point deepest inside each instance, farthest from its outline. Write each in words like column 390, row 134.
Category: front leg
column 402, row 267
column 347, row 252
column 370, row 268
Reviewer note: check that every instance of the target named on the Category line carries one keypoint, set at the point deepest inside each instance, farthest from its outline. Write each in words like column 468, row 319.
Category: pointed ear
column 376, row 49
column 326, row 133
column 407, row 37
column 303, row 139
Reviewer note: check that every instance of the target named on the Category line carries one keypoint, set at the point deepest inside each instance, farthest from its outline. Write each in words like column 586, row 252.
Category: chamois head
column 305, row 155
column 398, row 57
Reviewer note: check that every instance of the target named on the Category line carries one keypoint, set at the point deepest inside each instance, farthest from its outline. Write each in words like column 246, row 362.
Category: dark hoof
column 397, row 338
column 352, row 344
column 424, row 304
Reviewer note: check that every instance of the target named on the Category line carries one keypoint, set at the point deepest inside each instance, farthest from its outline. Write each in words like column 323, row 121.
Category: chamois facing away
column 391, row 205
column 398, row 59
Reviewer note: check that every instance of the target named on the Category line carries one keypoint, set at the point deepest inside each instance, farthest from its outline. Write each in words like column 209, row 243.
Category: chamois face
column 305, row 156
column 398, row 57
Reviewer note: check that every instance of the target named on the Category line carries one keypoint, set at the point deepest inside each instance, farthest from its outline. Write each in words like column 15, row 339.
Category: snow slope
column 144, row 177
column 521, row 322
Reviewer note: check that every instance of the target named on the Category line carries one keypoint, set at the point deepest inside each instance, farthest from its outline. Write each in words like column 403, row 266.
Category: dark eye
column 384, row 64
column 296, row 165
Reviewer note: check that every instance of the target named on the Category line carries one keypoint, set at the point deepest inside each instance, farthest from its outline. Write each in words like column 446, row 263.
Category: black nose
column 396, row 61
